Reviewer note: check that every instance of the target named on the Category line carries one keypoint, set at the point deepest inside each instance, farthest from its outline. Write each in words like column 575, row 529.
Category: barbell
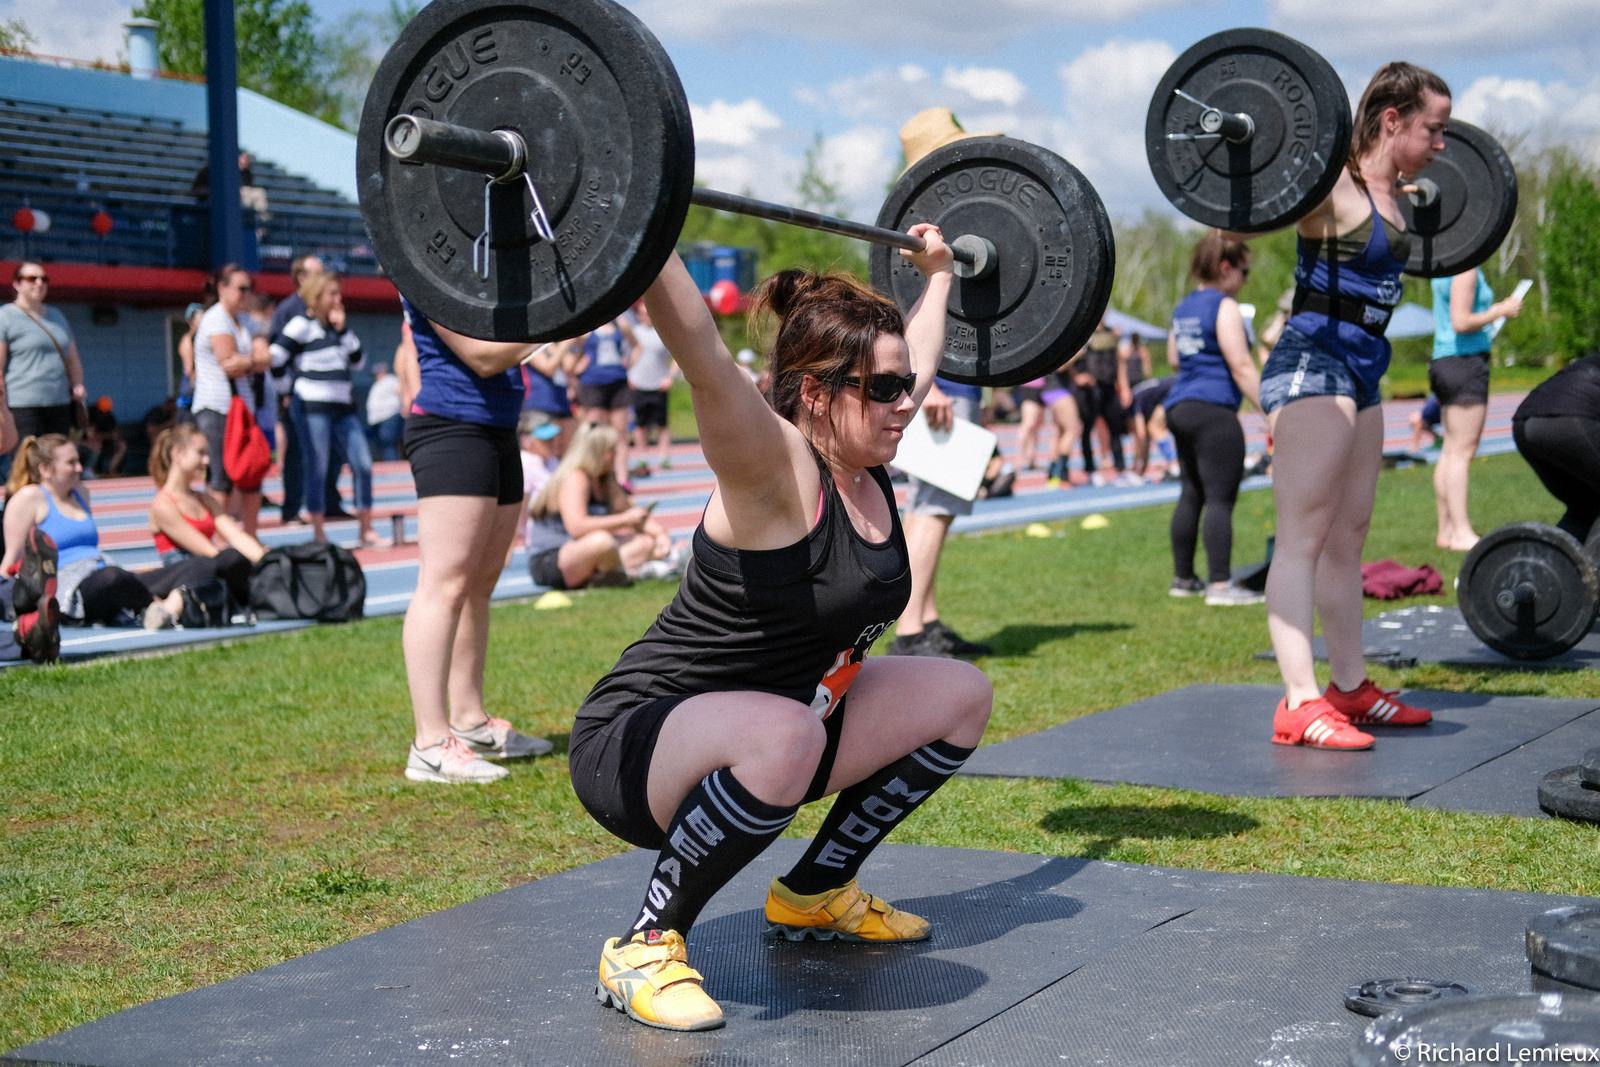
column 1530, row 591
column 1249, row 129
column 525, row 168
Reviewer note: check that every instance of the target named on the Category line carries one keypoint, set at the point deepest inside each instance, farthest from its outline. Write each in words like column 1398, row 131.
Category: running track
column 120, row 507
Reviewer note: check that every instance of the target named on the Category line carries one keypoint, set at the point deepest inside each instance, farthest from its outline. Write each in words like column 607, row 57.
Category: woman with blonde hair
column 46, row 495
column 187, row 525
column 584, row 529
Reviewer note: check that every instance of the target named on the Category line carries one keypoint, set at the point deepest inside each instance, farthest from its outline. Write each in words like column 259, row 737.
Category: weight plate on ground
column 1565, row 944
column 610, row 150
column 1540, row 982
column 1562, row 793
column 1288, row 166
column 1589, row 768
column 1476, row 205
column 1390, row 994
column 1513, row 1026
column 1528, row 591
column 1054, row 255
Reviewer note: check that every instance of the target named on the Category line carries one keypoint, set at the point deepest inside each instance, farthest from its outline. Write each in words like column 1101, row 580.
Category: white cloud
column 74, row 29
column 1535, row 114
column 1433, row 31
column 732, row 124
column 859, row 162
column 1107, row 95
column 988, row 84
column 945, row 23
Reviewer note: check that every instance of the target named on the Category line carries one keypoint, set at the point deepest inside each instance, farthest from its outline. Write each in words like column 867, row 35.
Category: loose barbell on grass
column 552, row 138
column 1248, row 131
column 1529, row 591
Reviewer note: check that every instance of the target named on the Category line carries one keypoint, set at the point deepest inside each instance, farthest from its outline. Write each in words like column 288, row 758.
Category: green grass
column 175, row 821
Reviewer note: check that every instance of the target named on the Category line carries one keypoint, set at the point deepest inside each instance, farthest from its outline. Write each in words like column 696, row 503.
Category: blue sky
column 764, row 77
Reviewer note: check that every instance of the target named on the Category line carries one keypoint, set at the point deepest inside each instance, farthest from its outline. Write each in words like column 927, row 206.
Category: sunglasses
column 884, row 388
column 42, row 278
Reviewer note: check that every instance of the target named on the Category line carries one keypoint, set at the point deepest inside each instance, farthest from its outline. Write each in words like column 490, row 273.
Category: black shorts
column 1152, row 395
column 1461, row 380
column 612, row 396
column 609, row 763
column 453, row 458
column 650, row 408
column 545, row 569
column 1021, row 393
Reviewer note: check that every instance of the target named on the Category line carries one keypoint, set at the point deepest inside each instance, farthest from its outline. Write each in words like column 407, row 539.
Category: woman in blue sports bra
column 1319, row 389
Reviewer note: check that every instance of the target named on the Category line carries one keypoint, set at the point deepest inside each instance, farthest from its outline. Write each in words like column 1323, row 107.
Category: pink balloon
column 724, row 297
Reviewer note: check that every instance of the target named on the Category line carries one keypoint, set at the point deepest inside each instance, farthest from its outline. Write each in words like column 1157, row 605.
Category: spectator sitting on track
column 46, row 494
column 541, row 441
column 33, row 633
column 186, row 525
column 584, row 529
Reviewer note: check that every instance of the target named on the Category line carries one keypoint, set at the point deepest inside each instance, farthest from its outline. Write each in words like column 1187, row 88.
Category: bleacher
column 73, row 162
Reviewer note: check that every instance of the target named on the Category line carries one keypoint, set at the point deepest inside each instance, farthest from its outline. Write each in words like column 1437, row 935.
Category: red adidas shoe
column 1369, row 705
column 1317, row 724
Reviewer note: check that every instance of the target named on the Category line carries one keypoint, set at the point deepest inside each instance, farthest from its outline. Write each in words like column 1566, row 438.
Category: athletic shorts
column 1461, row 380
column 1022, row 393
column 609, row 764
column 612, row 396
column 545, row 569
column 1054, row 395
column 1299, row 367
column 453, row 458
column 1151, row 394
column 214, row 424
column 650, row 408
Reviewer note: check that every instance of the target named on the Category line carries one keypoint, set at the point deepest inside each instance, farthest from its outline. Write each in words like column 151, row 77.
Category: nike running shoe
column 1317, row 724
column 649, row 978
column 843, row 914
column 497, row 739
column 36, row 572
column 1369, row 705
column 450, row 761
column 955, row 643
column 39, row 632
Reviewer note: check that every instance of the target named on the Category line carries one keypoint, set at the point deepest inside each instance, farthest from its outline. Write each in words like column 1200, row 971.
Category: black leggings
column 1101, row 401
column 229, row 565
column 1564, row 451
column 109, row 591
column 1211, row 459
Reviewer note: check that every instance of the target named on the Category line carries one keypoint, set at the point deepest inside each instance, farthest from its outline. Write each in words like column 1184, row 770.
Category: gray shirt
column 36, row 375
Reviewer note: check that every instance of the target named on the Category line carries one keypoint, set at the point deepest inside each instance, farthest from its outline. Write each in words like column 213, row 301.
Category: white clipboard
column 953, row 459
column 1516, row 294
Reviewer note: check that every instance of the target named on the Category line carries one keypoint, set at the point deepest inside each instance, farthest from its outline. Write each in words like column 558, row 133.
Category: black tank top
column 794, row 621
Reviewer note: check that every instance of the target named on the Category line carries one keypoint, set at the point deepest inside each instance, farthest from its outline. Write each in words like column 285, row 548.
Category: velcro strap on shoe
column 1303, row 716
column 671, row 973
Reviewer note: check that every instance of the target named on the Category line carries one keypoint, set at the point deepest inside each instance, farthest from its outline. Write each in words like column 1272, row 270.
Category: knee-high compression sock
column 865, row 813
column 718, row 829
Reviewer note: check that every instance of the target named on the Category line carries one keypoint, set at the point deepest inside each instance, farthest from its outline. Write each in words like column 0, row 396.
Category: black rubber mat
column 510, row 978
column 1432, row 633
column 1217, row 739
column 1258, row 975
column 1509, row 784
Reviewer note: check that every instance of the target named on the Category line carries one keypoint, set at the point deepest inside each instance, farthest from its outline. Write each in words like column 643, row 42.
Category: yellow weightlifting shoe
column 843, row 914
column 649, row 977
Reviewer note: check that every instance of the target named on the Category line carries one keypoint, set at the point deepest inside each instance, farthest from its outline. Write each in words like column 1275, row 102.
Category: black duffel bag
column 309, row 581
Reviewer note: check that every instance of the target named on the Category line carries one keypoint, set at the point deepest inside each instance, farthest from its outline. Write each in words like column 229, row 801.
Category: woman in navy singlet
column 752, row 692
column 461, row 441
column 1319, row 389
column 1215, row 372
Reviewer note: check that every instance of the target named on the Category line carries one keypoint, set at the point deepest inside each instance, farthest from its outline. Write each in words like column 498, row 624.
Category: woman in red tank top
column 187, row 526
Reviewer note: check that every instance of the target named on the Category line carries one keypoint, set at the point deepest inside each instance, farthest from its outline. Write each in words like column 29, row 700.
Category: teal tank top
column 1446, row 342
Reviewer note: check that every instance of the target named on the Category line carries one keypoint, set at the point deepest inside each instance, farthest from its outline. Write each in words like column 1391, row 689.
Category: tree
column 355, row 48
column 15, row 36
column 280, row 53
column 1569, row 238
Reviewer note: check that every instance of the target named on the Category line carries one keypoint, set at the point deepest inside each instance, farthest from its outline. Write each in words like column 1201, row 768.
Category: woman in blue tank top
column 1463, row 308
column 1319, row 389
column 1215, row 372
column 461, row 441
